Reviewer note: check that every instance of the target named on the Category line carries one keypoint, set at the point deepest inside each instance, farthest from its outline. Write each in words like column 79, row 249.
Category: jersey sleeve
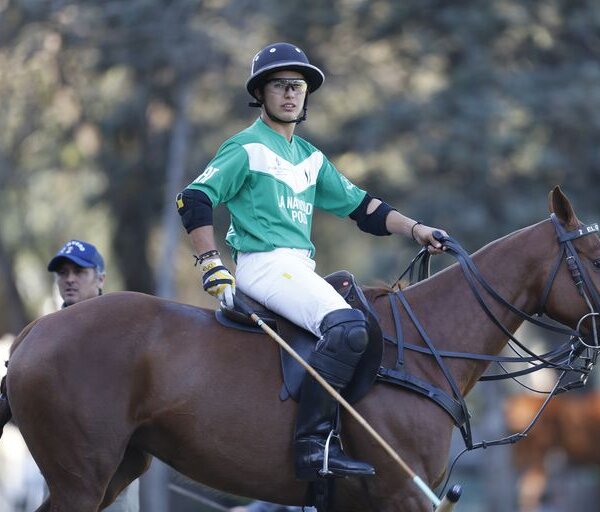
column 335, row 193
column 224, row 175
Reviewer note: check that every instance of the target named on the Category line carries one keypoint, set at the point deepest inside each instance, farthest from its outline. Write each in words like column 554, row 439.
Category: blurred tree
column 463, row 115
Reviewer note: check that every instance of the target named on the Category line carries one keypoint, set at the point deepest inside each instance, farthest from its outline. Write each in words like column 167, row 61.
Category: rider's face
column 284, row 94
column 77, row 283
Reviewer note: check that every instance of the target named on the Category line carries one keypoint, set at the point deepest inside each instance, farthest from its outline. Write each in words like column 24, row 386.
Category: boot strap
column 324, row 471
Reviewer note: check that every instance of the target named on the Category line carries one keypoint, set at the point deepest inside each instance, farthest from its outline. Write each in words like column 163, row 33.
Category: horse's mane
column 372, row 293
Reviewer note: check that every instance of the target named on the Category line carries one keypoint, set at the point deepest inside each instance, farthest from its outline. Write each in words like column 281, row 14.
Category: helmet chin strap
column 298, row 120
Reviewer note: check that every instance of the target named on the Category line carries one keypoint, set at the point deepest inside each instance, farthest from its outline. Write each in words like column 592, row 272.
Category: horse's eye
column 597, row 263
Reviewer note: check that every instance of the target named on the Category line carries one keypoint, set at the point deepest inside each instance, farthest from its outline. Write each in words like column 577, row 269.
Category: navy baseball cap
column 81, row 253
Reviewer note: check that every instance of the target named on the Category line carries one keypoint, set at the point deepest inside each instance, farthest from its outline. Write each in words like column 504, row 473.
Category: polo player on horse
column 271, row 180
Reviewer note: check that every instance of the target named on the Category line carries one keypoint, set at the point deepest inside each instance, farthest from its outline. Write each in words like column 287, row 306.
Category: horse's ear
column 559, row 204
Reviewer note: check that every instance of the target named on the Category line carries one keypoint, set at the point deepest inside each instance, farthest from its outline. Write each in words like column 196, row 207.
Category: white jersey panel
column 298, row 177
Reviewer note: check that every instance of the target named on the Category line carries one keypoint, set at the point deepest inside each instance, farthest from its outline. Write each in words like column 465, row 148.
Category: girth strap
column 422, row 387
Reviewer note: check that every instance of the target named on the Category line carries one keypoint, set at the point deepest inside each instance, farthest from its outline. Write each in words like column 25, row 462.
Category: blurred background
column 461, row 114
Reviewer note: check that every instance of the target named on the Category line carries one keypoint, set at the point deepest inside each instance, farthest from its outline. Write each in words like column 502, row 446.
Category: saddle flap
column 303, row 341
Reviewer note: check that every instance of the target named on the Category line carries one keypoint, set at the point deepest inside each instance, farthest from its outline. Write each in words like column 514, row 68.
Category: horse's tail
column 5, row 412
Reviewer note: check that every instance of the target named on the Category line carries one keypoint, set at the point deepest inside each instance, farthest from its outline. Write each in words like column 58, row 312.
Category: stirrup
column 325, row 471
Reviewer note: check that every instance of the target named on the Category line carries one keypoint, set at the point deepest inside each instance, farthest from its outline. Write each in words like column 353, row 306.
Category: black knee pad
column 344, row 341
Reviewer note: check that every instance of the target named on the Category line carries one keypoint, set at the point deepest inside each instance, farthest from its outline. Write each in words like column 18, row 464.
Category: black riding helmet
column 279, row 57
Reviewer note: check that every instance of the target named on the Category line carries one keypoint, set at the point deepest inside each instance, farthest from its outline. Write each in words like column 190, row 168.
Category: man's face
column 285, row 98
column 77, row 283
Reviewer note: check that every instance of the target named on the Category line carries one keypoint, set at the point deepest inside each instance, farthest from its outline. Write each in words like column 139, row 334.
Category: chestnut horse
column 569, row 425
column 99, row 388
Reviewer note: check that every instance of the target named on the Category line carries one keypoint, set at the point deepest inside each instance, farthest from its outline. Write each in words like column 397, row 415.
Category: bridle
column 576, row 355
column 568, row 253
column 584, row 285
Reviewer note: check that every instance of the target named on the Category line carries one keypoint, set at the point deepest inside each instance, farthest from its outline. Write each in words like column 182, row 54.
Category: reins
column 552, row 359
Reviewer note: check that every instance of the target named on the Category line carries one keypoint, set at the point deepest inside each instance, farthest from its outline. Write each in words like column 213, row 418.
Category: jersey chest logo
column 298, row 176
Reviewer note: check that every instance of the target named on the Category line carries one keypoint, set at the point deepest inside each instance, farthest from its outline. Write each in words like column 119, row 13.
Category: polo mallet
column 451, row 498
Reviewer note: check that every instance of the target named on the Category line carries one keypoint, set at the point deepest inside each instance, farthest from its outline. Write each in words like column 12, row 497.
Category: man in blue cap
column 79, row 269
column 80, row 275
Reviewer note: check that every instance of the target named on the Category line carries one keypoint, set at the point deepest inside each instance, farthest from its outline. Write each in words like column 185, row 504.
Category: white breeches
column 284, row 280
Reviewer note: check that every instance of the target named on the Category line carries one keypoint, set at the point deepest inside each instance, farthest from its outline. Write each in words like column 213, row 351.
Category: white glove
column 218, row 281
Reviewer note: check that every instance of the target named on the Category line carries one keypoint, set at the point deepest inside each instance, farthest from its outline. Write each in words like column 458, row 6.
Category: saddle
column 303, row 341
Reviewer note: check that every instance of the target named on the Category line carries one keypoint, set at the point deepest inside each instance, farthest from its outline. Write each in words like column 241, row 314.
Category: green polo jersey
column 271, row 187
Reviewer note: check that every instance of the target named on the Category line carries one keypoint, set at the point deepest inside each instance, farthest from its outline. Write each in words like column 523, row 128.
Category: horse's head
column 572, row 292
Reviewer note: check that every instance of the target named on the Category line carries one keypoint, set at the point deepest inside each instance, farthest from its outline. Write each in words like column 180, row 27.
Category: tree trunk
column 170, row 225
column 14, row 314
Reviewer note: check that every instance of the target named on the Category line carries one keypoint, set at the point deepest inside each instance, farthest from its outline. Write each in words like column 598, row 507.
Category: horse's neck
column 452, row 316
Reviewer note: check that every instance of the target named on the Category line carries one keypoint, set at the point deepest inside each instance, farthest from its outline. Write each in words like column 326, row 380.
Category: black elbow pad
column 373, row 222
column 195, row 209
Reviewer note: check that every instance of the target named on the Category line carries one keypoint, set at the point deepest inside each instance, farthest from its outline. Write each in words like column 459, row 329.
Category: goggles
column 281, row 85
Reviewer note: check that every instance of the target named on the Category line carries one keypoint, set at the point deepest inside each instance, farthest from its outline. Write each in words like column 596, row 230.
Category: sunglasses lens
column 282, row 85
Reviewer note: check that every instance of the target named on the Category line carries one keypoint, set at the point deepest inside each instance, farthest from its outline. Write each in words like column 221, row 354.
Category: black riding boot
column 317, row 448
column 315, row 424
